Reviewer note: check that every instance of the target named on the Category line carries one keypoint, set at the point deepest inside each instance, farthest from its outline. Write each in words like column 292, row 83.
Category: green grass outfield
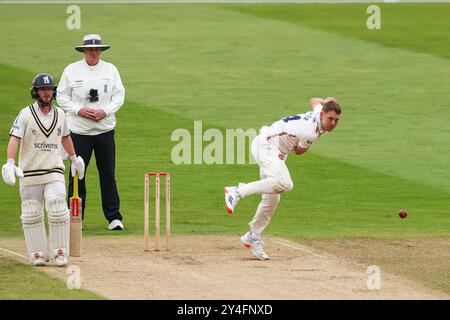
column 244, row 66
column 19, row 281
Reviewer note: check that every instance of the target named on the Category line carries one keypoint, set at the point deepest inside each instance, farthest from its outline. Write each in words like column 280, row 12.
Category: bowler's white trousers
column 275, row 179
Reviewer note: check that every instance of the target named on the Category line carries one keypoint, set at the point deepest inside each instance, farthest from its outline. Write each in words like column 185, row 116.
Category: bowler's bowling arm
column 299, row 150
column 315, row 101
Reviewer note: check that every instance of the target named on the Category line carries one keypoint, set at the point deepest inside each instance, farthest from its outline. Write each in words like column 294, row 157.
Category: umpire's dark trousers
column 105, row 155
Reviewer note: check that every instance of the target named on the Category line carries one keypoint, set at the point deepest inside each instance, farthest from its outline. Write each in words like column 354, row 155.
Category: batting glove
column 10, row 171
column 77, row 166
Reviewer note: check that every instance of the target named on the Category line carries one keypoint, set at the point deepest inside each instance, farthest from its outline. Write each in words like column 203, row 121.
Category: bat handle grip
column 75, row 185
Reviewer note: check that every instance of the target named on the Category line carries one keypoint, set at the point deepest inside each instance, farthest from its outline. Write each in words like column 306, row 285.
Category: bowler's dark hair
column 332, row 106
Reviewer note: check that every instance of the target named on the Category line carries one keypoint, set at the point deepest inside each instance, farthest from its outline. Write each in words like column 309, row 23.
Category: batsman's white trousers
column 50, row 191
column 275, row 179
column 33, row 218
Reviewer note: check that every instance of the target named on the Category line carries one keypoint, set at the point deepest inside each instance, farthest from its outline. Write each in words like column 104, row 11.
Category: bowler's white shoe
column 115, row 225
column 231, row 198
column 60, row 257
column 38, row 259
column 255, row 244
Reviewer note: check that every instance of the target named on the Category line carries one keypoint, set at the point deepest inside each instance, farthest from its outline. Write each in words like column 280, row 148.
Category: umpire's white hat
column 92, row 41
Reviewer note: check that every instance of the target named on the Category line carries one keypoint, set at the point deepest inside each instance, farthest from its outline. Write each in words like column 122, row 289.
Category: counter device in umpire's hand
column 93, row 95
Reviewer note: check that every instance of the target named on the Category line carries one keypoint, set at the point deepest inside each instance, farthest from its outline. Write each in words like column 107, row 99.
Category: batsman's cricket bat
column 75, row 221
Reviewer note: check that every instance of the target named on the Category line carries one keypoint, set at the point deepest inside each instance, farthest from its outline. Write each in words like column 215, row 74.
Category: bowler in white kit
column 270, row 150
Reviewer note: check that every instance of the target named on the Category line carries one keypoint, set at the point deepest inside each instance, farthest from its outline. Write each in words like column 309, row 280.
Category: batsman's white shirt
column 301, row 129
column 40, row 145
column 76, row 81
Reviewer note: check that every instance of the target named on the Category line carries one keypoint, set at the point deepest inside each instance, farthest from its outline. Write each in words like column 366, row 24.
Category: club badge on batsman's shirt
column 300, row 129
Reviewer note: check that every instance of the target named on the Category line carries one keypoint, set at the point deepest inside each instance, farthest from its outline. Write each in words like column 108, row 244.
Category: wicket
column 157, row 209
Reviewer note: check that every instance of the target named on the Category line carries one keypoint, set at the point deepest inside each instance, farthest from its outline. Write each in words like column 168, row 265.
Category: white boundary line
column 14, row 253
column 297, row 247
column 212, row 1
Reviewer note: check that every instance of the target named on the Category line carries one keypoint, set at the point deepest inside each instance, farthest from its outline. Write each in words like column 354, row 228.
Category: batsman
column 39, row 132
column 270, row 149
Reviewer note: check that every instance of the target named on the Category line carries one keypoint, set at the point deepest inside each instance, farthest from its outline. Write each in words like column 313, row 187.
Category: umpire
column 91, row 92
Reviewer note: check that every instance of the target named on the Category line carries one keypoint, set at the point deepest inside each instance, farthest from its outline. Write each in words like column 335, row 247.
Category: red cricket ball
column 403, row 213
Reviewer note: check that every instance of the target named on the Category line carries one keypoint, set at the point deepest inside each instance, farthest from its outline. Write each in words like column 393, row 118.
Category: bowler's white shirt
column 301, row 129
column 73, row 89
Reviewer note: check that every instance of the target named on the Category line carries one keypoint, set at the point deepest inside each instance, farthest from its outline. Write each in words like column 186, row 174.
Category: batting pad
column 33, row 227
column 58, row 225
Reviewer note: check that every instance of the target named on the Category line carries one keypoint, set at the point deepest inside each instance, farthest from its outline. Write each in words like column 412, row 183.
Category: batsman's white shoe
column 60, row 257
column 116, row 225
column 231, row 198
column 62, row 261
column 255, row 244
column 38, row 259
